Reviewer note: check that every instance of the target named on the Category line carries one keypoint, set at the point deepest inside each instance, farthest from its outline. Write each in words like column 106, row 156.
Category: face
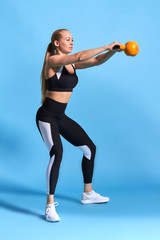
column 65, row 44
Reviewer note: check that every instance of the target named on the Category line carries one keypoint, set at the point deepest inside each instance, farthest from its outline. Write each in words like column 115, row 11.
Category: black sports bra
column 62, row 81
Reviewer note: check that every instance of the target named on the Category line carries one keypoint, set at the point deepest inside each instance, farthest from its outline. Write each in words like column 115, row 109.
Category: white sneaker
column 93, row 197
column 50, row 212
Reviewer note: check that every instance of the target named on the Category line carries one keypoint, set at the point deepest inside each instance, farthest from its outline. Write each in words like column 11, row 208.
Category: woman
column 58, row 80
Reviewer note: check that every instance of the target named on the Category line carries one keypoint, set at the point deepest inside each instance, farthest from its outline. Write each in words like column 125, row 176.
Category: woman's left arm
column 105, row 56
column 95, row 61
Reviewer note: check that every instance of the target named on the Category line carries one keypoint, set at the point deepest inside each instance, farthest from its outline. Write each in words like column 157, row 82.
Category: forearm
column 104, row 56
column 87, row 54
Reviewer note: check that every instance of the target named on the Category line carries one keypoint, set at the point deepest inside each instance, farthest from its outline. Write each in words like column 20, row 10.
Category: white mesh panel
column 45, row 129
column 48, row 172
column 59, row 72
column 86, row 151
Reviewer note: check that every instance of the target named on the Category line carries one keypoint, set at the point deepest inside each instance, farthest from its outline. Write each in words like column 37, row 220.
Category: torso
column 57, row 96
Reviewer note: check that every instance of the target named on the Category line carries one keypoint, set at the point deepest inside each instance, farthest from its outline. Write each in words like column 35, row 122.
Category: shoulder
column 50, row 70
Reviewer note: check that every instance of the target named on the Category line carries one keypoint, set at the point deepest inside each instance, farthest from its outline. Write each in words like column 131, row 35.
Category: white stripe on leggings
column 48, row 173
column 86, row 151
column 45, row 129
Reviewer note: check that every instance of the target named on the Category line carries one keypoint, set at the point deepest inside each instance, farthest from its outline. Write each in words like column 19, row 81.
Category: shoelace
column 48, row 207
column 55, row 204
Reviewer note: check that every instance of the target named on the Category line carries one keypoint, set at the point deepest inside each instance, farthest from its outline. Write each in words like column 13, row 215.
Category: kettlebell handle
column 119, row 47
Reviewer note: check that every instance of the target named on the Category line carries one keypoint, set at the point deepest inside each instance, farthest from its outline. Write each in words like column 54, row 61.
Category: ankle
column 90, row 190
column 87, row 187
column 50, row 199
column 49, row 202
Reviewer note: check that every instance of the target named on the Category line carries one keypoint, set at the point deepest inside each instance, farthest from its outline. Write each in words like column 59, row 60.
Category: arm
column 104, row 57
column 58, row 60
column 95, row 61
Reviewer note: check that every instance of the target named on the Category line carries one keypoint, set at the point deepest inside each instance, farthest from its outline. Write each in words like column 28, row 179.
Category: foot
column 93, row 197
column 50, row 212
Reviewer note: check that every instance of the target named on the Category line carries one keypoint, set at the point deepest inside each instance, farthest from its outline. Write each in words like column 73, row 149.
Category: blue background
column 117, row 104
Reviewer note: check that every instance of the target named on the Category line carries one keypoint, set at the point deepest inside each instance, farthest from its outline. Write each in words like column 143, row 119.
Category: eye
column 68, row 40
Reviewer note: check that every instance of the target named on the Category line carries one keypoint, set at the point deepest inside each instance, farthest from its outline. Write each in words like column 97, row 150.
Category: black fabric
column 65, row 83
column 53, row 112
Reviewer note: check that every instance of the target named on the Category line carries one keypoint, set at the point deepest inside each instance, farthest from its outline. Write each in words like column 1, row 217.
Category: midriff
column 62, row 97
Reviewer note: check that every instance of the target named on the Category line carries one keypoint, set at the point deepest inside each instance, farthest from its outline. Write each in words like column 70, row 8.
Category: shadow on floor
column 15, row 189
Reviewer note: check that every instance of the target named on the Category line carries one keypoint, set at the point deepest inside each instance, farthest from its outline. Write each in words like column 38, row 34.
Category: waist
column 58, row 96
column 54, row 108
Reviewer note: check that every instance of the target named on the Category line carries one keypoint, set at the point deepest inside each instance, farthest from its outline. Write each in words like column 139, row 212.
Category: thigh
column 48, row 128
column 73, row 132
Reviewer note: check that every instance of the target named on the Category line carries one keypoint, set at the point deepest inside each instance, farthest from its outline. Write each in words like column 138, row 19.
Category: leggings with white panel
column 52, row 122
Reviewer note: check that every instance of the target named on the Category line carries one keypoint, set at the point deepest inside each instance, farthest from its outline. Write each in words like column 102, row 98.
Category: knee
column 93, row 148
column 58, row 151
column 89, row 150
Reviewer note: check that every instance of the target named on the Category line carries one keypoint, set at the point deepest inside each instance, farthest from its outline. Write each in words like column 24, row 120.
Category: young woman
column 58, row 79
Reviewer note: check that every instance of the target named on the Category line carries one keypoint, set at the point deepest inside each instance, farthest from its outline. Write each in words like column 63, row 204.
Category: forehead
column 67, row 34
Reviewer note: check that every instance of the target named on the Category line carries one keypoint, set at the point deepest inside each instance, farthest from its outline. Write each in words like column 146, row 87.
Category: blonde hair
column 49, row 52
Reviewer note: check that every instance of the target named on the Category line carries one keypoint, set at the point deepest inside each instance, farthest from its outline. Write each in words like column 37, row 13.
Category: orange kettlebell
column 130, row 48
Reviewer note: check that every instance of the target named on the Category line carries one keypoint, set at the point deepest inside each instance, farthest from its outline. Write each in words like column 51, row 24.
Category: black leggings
column 52, row 121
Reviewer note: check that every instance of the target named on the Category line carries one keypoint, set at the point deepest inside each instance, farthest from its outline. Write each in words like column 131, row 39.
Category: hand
column 120, row 50
column 110, row 46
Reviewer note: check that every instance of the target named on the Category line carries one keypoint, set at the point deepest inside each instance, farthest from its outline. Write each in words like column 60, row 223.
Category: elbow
column 97, row 62
column 81, row 57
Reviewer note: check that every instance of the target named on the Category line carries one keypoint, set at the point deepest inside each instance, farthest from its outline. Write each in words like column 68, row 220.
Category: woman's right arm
column 58, row 60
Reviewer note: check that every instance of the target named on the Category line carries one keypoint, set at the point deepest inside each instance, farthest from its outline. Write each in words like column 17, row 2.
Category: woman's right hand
column 110, row 46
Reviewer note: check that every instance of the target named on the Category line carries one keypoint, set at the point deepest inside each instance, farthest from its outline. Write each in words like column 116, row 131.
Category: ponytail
column 51, row 50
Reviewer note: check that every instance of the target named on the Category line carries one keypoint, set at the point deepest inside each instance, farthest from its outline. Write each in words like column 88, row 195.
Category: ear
column 56, row 43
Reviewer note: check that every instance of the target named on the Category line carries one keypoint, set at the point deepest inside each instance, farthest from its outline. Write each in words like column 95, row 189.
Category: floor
column 131, row 214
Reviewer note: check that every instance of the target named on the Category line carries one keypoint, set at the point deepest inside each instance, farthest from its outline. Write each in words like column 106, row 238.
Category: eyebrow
column 69, row 37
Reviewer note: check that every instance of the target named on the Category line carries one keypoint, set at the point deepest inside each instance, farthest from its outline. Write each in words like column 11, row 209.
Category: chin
column 69, row 52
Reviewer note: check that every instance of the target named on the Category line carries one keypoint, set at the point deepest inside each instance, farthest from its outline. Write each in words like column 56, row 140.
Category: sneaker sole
column 93, row 201
column 52, row 220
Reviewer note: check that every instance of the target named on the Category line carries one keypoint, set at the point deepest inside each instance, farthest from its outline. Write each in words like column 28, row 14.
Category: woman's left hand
column 117, row 50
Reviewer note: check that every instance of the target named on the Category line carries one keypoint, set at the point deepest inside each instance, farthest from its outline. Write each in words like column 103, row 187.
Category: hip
column 51, row 108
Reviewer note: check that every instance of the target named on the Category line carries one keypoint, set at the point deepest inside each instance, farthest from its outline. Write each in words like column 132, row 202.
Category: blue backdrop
column 117, row 104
